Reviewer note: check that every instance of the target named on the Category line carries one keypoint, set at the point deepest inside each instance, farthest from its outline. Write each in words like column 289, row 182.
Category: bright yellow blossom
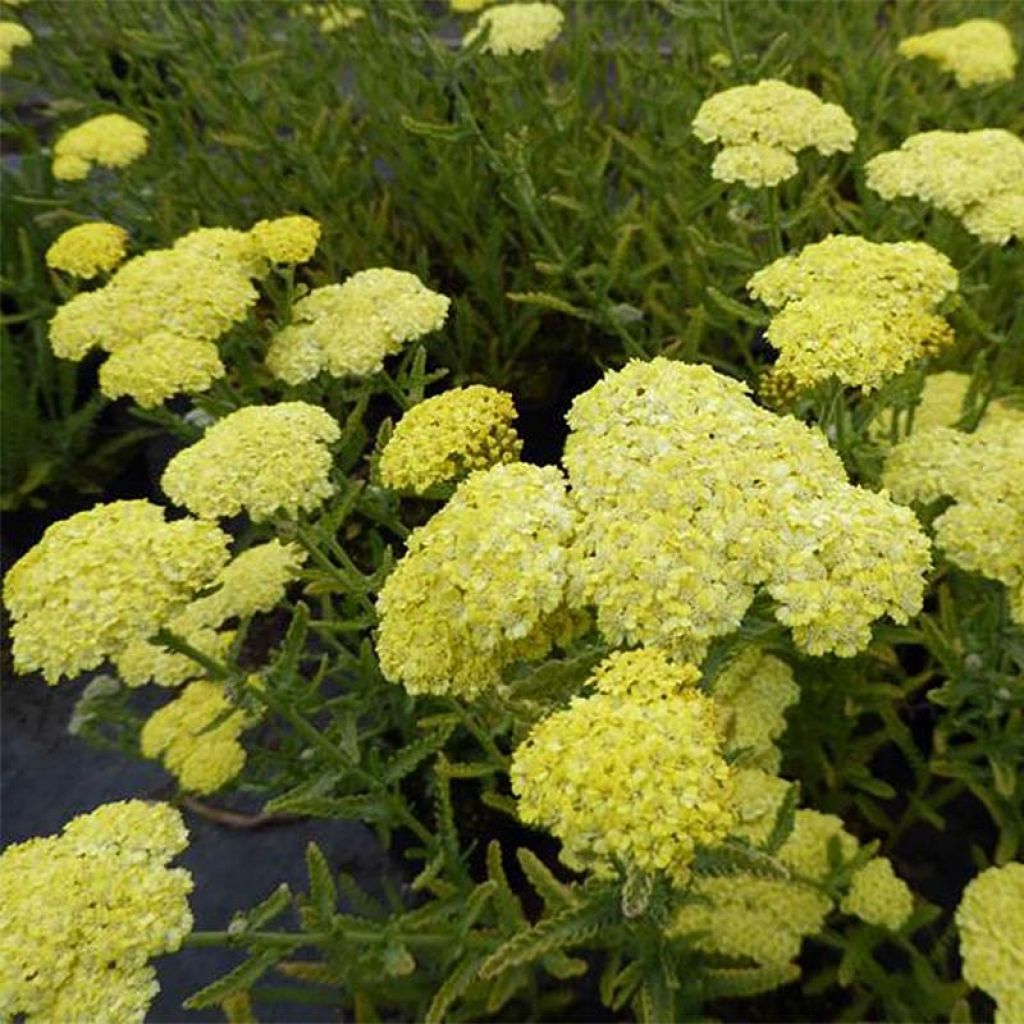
column 160, row 366
column 978, row 51
column 286, row 239
column 234, row 247
column 878, row 896
column 104, row 578
column 756, row 165
column 110, row 140
column 445, row 437
column 12, row 35
column 88, row 249
column 261, row 459
column 816, row 838
column 85, row 911
column 644, row 673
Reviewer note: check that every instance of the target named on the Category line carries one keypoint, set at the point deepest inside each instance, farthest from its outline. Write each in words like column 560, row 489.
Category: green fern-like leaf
column 452, row 988
column 738, row 982
column 555, row 894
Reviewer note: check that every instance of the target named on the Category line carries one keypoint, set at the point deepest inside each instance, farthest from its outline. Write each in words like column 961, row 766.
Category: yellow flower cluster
column 252, row 582
column 448, row 436
column 984, row 530
column 990, row 920
column 85, row 911
column 762, row 126
column 517, row 27
column 182, row 734
column 110, row 140
column 857, row 310
column 349, row 329
column 332, row 16
column 635, row 780
column 691, row 497
column 878, row 896
column 104, row 578
column 757, row 799
column 467, row 6
column 646, row 673
column 977, row 51
column 481, row 585
column 158, row 366
column 755, row 689
column 261, row 459
column 745, row 916
column 12, row 35
column 977, row 176
column 808, row 850
column 228, row 245
column 286, row 239
column 88, row 249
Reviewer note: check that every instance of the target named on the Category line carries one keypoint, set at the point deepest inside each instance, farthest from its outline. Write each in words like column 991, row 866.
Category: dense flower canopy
column 110, row 140
column 515, row 28
column 978, row 51
column 88, row 249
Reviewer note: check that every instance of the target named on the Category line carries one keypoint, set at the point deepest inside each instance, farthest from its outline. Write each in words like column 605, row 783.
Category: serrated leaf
column 432, row 129
column 453, row 987
column 555, row 894
column 736, row 309
column 241, row 979
column 509, row 907
column 741, row 982
column 548, row 301
column 276, row 903
column 323, row 893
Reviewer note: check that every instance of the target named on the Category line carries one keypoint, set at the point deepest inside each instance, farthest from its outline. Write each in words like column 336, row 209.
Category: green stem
column 774, row 222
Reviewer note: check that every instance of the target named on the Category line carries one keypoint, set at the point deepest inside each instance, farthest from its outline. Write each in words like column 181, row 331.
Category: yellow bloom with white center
column 481, row 585
column 85, row 911
column 763, row 126
column 230, row 245
column 755, row 164
column 755, row 689
column 12, row 35
column 977, row 176
column 515, row 28
column 286, row 239
column 104, row 578
column 203, row 759
column 878, row 896
column 446, row 437
column 349, row 329
column 88, row 249
column 857, row 310
column 636, row 782
column 160, row 366
column 978, row 51
column 180, row 292
column 990, row 920
column 752, row 918
column 261, row 459
column 110, row 140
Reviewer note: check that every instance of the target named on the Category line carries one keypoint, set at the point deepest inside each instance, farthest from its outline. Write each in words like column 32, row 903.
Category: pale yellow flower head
column 160, row 366
column 146, row 661
column 857, row 310
column 110, row 140
column 756, row 165
column 762, row 126
column 85, row 911
column 691, row 498
column 646, row 673
column 990, row 920
column 877, row 895
column 236, row 248
column 467, row 6
column 446, row 437
column 977, row 176
column 204, row 759
column 635, row 782
column 757, row 799
column 349, row 329
column 517, row 27
column 481, row 585
column 808, row 850
column 12, row 35
column 88, row 249
column 748, row 917
column 181, row 292
column 286, row 239
column 978, row 51
column 261, row 459
column 104, row 578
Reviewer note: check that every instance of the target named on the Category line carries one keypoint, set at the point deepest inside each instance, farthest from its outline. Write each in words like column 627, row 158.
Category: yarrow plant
column 110, row 140
column 515, row 28
column 978, row 52
column 88, row 249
